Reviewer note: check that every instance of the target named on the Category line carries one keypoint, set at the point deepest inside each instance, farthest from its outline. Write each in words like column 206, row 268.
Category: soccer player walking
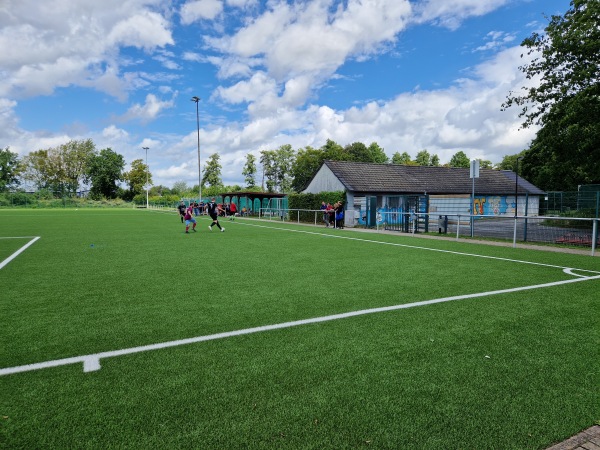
column 181, row 210
column 213, row 211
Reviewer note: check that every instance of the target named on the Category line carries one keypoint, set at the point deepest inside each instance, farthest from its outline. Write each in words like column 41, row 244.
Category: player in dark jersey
column 181, row 209
column 213, row 211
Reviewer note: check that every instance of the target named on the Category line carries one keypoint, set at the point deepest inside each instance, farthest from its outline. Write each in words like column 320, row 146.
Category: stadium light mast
column 516, row 199
column 196, row 99
column 147, row 171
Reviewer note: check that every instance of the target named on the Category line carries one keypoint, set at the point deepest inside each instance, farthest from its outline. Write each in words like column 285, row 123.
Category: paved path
column 586, row 440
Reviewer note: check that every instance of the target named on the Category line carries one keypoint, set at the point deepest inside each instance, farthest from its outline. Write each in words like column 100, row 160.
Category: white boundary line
column 21, row 250
column 91, row 362
column 418, row 247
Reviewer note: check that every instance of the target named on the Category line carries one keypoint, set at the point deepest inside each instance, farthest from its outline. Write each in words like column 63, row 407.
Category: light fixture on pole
column 147, row 171
column 196, row 100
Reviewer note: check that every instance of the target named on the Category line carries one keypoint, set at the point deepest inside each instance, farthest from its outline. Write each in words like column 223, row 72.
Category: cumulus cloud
column 192, row 11
column 149, row 111
column 60, row 43
column 451, row 13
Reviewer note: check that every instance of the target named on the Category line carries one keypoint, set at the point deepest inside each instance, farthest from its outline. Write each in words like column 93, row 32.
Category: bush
column 313, row 202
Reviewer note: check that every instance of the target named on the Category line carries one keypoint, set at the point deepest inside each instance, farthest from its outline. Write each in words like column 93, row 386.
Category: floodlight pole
column 147, row 171
column 516, row 199
column 196, row 100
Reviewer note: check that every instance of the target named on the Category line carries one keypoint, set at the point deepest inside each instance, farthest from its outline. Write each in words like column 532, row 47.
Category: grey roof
column 401, row 179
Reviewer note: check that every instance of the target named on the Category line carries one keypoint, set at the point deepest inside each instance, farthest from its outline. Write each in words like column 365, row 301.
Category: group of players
column 213, row 209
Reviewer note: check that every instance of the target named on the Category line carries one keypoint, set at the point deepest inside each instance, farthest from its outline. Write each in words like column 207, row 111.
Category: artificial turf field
column 274, row 335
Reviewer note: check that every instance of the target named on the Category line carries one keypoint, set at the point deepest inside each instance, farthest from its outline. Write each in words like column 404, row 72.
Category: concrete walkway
column 586, row 440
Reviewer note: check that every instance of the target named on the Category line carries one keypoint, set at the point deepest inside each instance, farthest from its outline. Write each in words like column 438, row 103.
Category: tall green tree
column 423, row 158
column 377, row 154
column 566, row 151
column 357, row 151
column 212, row 171
column 104, row 171
column 269, row 171
column 61, row 169
column 249, row 171
column 307, row 163
column 284, row 160
column 460, row 159
column 333, row 151
column 136, row 178
column 403, row 158
column 10, row 168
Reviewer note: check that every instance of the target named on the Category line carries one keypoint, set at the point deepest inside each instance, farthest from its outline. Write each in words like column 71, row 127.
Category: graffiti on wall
column 496, row 205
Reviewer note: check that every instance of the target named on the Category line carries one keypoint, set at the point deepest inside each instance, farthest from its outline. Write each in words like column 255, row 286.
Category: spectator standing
column 232, row 211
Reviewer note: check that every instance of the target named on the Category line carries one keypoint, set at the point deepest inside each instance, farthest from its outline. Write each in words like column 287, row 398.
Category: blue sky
column 409, row 75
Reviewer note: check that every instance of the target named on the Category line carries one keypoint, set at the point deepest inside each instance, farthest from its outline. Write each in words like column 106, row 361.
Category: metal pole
column 516, row 200
column 147, row 171
column 196, row 100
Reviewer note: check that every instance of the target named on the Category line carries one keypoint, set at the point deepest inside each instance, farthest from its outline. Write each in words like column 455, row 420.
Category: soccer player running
column 189, row 219
column 213, row 211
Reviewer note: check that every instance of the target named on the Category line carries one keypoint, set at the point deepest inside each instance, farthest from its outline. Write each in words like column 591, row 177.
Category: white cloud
column 60, row 43
column 200, row 9
column 149, row 111
column 451, row 13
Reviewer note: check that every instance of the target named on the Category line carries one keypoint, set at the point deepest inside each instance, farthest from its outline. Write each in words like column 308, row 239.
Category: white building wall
column 324, row 181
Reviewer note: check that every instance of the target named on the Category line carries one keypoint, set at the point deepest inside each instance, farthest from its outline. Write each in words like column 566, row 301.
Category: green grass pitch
column 516, row 369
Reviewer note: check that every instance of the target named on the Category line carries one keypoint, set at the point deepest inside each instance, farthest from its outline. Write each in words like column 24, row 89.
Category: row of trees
column 65, row 169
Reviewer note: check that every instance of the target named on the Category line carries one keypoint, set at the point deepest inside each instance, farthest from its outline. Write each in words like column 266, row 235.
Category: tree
column 61, row 169
column 136, row 178
column 104, row 171
column 423, row 158
column 333, row 151
column 377, row 154
column 460, row 159
column 10, row 169
column 212, row 171
column 435, row 160
column 36, row 169
column 180, row 188
column 509, row 162
column 357, row 151
column 284, row 159
column 567, row 59
column 307, row 163
column 403, row 158
column 566, row 150
column 485, row 164
column 267, row 160
column 249, row 171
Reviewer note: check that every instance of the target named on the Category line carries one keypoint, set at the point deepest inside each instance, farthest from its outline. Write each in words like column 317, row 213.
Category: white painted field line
column 92, row 362
column 18, row 252
column 416, row 247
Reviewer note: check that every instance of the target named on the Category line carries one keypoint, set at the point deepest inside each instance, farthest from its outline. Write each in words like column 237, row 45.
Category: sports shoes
column 222, row 229
column 210, row 228
column 194, row 230
column 187, row 232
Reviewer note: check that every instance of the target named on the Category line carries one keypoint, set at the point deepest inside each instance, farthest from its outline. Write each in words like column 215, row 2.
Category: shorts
column 213, row 217
column 188, row 221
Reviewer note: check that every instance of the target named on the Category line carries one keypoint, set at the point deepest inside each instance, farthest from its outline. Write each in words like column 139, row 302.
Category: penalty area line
column 91, row 362
column 18, row 252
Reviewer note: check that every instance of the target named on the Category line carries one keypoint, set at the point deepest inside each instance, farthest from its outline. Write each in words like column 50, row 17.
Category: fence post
column 526, row 209
column 594, row 236
column 457, row 227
